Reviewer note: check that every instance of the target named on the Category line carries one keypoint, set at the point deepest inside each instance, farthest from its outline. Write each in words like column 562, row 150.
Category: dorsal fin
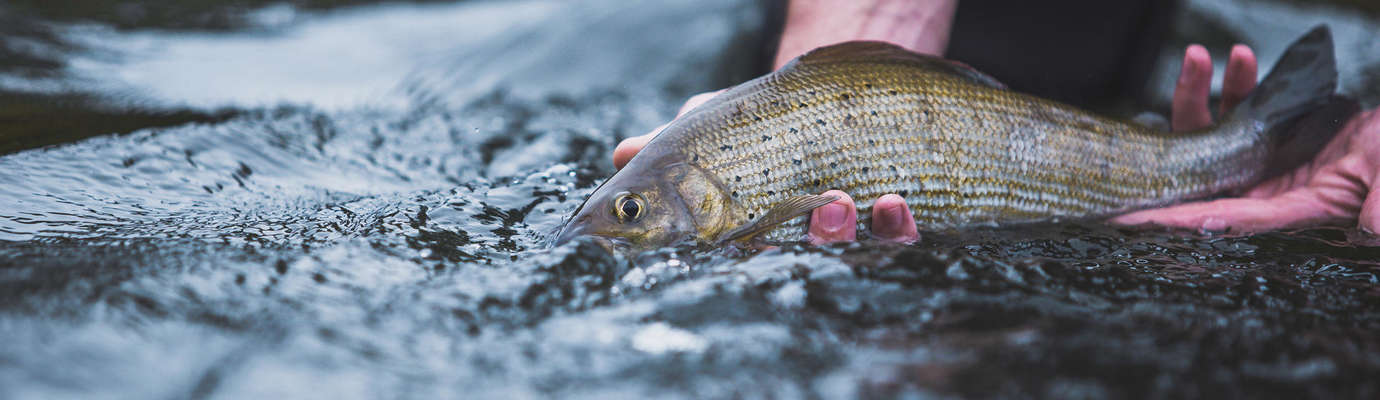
column 883, row 52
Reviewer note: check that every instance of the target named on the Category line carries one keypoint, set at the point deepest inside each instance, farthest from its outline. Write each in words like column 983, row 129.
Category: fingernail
column 1214, row 225
column 895, row 217
column 832, row 216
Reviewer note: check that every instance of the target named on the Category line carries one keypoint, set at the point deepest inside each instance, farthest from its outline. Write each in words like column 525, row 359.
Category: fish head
column 649, row 207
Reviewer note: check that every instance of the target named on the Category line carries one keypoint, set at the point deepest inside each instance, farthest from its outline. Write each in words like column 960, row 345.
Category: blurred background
column 82, row 68
column 352, row 199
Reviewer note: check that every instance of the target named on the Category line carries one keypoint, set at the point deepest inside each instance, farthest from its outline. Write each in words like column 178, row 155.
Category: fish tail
column 1303, row 82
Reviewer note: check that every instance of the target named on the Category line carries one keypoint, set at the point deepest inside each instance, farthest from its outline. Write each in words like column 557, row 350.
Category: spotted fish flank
column 871, row 118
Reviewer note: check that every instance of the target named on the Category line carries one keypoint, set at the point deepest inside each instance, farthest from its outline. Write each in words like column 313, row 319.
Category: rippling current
column 390, row 241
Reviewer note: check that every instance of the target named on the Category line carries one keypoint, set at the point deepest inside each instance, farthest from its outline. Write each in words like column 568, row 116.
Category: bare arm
column 919, row 25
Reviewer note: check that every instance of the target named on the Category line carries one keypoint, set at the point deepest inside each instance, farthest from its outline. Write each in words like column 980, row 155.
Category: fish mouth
column 571, row 233
column 568, row 232
column 578, row 234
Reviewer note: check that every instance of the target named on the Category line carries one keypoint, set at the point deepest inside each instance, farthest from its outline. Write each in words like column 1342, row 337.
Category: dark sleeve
column 1090, row 53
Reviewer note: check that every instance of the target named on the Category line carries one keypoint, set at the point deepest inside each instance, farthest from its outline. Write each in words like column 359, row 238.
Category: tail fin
column 1297, row 142
column 1304, row 78
column 1297, row 104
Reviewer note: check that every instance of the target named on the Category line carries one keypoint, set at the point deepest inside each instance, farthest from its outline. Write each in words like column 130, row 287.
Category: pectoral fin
column 778, row 214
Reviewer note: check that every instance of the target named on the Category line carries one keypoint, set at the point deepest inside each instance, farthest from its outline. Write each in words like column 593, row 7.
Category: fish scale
column 960, row 152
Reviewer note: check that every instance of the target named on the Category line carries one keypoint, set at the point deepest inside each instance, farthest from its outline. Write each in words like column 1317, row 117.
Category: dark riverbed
column 290, row 202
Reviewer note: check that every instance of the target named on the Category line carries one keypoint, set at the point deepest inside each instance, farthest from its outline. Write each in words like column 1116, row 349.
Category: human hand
column 1342, row 183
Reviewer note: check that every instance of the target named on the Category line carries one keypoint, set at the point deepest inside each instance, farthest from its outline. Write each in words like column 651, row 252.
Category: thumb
column 1235, row 215
column 1370, row 212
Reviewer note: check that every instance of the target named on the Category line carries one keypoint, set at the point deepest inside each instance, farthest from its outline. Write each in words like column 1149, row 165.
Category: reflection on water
column 344, row 59
column 387, row 239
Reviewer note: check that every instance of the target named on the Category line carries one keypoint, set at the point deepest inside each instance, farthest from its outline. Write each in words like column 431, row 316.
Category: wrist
column 921, row 26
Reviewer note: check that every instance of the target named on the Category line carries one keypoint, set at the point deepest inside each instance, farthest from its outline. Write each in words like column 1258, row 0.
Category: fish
column 871, row 118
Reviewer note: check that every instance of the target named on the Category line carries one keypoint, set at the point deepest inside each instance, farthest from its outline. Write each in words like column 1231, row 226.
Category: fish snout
column 578, row 234
column 569, row 232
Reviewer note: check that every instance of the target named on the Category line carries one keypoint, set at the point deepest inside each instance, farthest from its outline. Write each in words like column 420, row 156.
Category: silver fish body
column 870, row 118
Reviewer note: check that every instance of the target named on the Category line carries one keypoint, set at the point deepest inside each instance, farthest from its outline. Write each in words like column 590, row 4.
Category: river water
column 356, row 203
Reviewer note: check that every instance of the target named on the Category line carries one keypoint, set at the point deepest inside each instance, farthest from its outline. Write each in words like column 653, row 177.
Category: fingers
column 892, row 220
column 1235, row 215
column 838, row 221
column 1190, row 105
column 630, row 146
column 835, row 222
column 1239, row 79
column 1190, row 108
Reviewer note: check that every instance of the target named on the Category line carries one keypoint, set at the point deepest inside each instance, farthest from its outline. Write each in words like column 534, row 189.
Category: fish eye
column 628, row 207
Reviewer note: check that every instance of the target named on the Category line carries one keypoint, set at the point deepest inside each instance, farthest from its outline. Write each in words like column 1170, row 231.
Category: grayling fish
column 871, row 118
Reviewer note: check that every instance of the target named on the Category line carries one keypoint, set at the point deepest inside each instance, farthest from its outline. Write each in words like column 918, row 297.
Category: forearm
column 918, row 25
